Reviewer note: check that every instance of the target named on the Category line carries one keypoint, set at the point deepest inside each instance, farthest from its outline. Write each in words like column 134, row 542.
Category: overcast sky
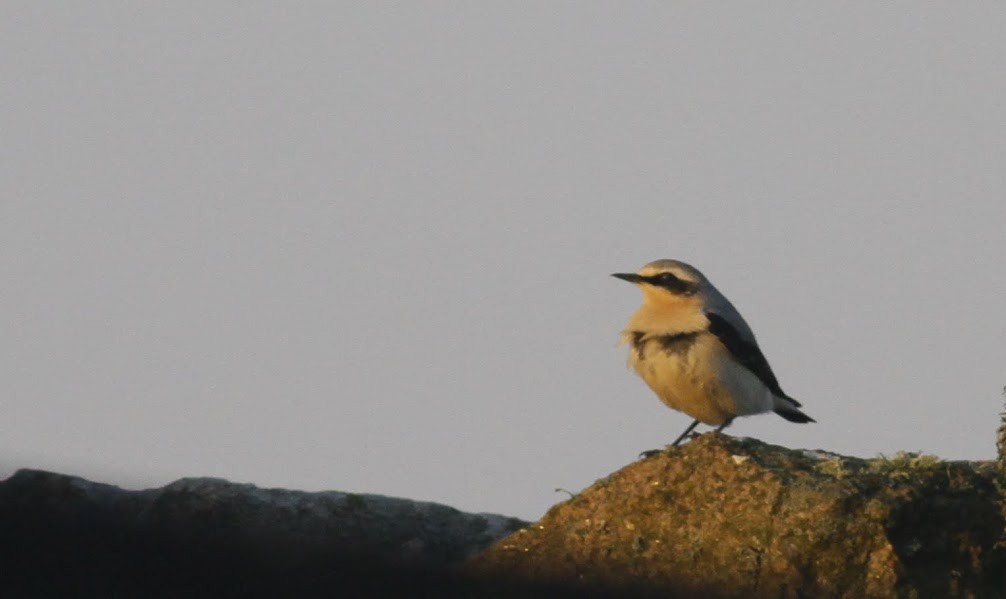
column 367, row 247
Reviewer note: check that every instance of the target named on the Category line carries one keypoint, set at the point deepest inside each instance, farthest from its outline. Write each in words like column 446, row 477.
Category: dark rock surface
column 64, row 536
column 718, row 518
column 723, row 517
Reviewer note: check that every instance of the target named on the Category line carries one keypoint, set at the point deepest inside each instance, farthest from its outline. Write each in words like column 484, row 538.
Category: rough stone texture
column 719, row 517
column 724, row 517
column 68, row 537
column 1001, row 461
column 1001, row 439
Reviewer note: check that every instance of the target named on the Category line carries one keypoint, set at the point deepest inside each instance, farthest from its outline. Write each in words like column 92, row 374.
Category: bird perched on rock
column 693, row 348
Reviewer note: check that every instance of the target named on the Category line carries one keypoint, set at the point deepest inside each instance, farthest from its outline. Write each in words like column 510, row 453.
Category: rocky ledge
column 735, row 518
column 64, row 536
column 718, row 518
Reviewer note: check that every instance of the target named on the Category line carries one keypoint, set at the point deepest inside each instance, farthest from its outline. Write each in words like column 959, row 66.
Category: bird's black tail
column 795, row 416
column 787, row 408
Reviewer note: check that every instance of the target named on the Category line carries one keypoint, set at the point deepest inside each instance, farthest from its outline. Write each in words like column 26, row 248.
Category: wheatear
column 693, row 348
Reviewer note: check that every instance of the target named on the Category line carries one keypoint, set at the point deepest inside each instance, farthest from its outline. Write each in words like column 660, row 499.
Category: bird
column 697, row 353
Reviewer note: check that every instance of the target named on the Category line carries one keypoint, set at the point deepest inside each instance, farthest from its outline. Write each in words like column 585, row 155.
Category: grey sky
column 367, row 248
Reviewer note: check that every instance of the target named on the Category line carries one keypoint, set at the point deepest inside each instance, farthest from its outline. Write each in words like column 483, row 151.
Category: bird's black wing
column 747, row 353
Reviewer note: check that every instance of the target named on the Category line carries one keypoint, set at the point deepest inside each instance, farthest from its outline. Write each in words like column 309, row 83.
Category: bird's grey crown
column 685, row 272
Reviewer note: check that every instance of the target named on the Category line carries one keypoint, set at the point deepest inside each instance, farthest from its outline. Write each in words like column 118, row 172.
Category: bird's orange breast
column 682, row 370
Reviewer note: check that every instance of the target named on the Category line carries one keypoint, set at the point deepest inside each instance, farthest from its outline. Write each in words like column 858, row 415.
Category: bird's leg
column 681, row 438
column 653, row 452
column 719, row 429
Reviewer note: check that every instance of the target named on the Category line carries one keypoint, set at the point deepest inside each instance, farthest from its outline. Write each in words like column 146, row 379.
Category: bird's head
column 663, row 281
column 677, row 297
column 674, row 295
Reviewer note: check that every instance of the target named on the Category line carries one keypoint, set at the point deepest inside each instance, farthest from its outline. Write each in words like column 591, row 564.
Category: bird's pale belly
column 685, row 379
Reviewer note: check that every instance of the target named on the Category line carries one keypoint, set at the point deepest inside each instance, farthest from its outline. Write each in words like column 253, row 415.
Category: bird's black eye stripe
column 672, row 283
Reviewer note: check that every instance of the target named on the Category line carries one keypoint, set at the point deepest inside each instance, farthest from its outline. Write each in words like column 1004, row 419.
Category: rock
column 66, row 536
column 1001, row 439
column 723, row 517
column 718, row 518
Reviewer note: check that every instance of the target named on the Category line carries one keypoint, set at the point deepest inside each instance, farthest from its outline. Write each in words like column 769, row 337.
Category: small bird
column 696, row 352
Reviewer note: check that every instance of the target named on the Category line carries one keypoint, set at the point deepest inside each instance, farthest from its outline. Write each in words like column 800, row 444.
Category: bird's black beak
column 628, row 276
